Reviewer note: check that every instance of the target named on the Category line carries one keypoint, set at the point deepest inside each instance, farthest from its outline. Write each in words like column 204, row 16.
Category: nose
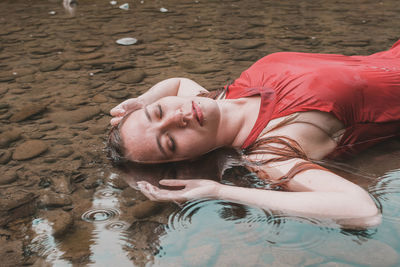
column 174, row 119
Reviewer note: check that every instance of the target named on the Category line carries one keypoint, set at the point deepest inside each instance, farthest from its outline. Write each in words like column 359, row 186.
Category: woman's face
column 171, row 129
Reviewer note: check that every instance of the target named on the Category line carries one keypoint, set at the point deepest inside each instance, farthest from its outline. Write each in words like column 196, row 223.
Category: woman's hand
column 193, row 189
column 123, row 108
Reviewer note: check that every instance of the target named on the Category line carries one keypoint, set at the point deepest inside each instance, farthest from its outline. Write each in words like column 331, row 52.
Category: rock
column 5, row 156
column 49, row 199
column 62, row 185
column 91, row 182
column 28, row 111
column 146, row 209
column 119, row 94
column 8, row 178
column 126, row 41
column 100, row 98
column 9, row 136
column 60, row 221
column 7, row 78
column 50, row 65
column 26, row 79
column 132, row 77
column 11, row 253
column 15, row 205
column 29, row 149
column 71, row 66
column 246, row 44
column 90, row 56
column 75, row 116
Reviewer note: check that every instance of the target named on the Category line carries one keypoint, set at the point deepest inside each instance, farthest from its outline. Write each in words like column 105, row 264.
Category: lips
column 198, row 113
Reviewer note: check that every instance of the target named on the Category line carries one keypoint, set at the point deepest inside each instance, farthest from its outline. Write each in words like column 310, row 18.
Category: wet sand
column 61, row 74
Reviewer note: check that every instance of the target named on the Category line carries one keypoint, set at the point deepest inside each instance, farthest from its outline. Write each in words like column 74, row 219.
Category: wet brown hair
column 115, row 145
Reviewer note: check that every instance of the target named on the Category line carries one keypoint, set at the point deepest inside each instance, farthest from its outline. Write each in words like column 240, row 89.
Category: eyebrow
column 147, row 113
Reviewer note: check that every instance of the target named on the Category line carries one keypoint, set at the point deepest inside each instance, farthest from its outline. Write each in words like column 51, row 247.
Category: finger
column 169, row 182
column 117, row 111
column 115, row 121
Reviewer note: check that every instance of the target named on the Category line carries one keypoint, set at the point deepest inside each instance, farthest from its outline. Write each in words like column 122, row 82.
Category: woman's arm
column 319, row 194
column 168, row 87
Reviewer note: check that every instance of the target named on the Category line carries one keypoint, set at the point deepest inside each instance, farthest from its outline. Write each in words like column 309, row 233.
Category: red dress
column 363, row 92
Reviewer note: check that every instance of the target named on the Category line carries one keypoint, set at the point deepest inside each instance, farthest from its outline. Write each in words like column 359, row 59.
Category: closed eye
column 160, row 112
column 171, row 143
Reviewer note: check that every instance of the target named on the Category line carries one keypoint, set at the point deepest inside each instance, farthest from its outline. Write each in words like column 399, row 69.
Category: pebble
column 75, row 116
column 29, row 149
column 163, row 10
column 8, row 178
column 71, row 66
column 119, row 94
column 50, row 199
column 9, row 136
column 50, row 65
column 124, row 6
column 59, row 220
column 246, row 44
column 62, row 185
column 28, row 111
column 100, row 98
column 130, row 77
column 5, row 156
column 16, row 204
column 126, row 41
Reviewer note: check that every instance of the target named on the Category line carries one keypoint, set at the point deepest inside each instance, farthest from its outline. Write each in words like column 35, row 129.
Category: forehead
column 139, row 138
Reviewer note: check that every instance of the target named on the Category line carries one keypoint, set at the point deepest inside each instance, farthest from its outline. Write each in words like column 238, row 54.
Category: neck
column 237, row 119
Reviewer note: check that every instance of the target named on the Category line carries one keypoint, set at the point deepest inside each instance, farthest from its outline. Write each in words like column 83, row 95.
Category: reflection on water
column 387, row 192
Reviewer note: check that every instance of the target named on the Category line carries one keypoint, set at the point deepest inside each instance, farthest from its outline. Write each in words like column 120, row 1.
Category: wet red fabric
column 363, row 92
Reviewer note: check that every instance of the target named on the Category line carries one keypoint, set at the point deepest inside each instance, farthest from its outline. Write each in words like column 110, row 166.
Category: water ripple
column 387, row 194
column 233, row 223
column 100, row 215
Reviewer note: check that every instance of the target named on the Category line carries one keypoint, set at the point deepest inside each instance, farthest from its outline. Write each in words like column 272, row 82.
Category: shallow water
column 61, row 71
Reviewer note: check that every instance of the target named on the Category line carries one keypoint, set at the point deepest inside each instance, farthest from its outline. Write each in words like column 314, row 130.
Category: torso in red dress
column 363, row 92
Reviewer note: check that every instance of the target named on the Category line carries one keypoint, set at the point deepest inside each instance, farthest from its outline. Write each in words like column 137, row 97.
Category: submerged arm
column 318, row 194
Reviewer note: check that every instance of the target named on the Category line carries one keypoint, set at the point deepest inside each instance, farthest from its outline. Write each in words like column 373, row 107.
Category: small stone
column 16, row 204
column 100, row 98
column 28, row 111
column 113, row 3
column 163, row 10
column 50, row 65
column 29, row 149
column 62, row 185
column 146, row 209
column 59, row 220
column 119, row 94
column 127, row 41
column 124, row 6
column 75, row 116
column 5, row 156
column 246, row 44
column 132, row 77
column 50, row 199
column 9, row 136
column 71, row 66
column 8, row 178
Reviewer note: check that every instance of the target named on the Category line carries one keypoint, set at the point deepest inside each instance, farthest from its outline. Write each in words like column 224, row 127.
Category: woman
column 286, row 110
